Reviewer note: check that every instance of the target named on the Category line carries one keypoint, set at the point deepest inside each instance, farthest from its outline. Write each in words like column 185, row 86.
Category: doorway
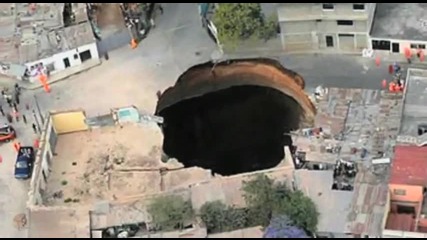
column 329, row 41
column 66, row 62
column 395, row 47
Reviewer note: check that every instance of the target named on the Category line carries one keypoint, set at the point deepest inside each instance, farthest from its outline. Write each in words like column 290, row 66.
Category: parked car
column 24, row 163
column 7, row 133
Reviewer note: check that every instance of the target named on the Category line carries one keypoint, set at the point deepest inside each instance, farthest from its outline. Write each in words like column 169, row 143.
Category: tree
column 213, row 215
column 220, row 218
column 266, row 199
column 282, row 227
column 259, row 198
column 300, row 209
column 239, row 21
column 170, row 212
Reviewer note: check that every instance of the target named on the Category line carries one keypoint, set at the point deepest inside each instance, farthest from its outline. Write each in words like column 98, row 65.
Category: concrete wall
column 408, row 193
column 304, row 27
column 42, row 163
column 69, row 121
column 57, row 60
column 313, row 11
column 402, row 45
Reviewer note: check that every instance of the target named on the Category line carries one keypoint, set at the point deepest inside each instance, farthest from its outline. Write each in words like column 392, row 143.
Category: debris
column 20, row 221
column 58, row 194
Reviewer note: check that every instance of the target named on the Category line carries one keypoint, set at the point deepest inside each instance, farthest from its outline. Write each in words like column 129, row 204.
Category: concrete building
column 33, row 37
column 325, row 27
column 398, row 26
column 407, row 211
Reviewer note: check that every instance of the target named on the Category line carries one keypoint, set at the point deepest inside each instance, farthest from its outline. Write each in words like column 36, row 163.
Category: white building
column 33, row 37
column 398, row 26
column 69, row 47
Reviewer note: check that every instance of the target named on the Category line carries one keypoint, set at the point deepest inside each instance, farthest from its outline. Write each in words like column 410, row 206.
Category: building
column 33, row 37
column 407, row 185
column 398, row 26
column 325, row 27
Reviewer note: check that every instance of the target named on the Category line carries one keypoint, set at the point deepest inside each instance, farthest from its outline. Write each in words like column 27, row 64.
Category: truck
column 24, row 163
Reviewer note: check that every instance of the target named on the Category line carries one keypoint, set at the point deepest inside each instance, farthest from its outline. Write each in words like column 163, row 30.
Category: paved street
column 13, row 193
column 134, row 76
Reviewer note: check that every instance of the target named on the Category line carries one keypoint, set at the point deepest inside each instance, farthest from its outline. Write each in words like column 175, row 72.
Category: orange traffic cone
column 133, row 43
column 378, row 61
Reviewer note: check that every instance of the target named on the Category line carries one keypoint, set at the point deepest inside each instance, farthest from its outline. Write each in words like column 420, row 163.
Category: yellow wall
column 68, row 122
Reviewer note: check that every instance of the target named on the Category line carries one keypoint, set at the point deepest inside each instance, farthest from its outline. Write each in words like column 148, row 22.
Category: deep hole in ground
column 230, row 131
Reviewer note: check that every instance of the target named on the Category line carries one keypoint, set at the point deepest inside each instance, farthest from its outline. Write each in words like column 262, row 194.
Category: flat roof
column 406, row 21
column 401, row 222
column 332, row 205
column 414, row 110
column 409, row 166
column 369, row 201
column 41, row 32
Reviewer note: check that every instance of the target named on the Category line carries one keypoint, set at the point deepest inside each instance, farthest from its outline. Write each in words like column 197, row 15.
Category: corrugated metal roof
column 409, row 166
column 369, row 202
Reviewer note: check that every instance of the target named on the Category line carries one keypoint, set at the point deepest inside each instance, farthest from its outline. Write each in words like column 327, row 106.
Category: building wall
column 41, row 167
column 57, row 60
column 406, row 193
column 403, row 44
column 304, row 27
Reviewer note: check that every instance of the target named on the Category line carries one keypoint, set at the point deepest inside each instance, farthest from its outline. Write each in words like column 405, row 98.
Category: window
column 76, row 56
column 328, row 6
column 359, row 6
column 416, row 46
column 345, row 22
column 400, row 192
column 345, row 35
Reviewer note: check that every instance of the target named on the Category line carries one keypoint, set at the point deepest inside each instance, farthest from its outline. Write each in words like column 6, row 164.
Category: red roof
column 409, row 166
column 402, row 222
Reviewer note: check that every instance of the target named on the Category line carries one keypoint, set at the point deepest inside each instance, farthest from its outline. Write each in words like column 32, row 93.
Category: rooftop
column 415, row 100
column 369, row 201
column 29, row 32
column 363, row 123
column 405, row 21
column 409, row 166
column 333, row 205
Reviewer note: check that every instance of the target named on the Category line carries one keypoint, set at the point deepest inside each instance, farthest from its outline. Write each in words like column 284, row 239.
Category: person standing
column 2, row 111
column 34, row 128
column 17, row 98
column 9, row 118
column 16, row 115
column 24, row 118
column 160, row 8
column 9, row 101
column 15, row 106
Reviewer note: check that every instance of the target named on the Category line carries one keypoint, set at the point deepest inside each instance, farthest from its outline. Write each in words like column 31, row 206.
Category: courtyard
column 105, row 163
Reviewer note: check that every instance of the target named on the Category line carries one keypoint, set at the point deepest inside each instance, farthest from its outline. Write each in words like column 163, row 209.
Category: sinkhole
column 233, row 117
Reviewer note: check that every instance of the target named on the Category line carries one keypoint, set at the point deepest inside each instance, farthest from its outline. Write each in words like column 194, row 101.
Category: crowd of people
column 397, row 83
column 13, row 111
